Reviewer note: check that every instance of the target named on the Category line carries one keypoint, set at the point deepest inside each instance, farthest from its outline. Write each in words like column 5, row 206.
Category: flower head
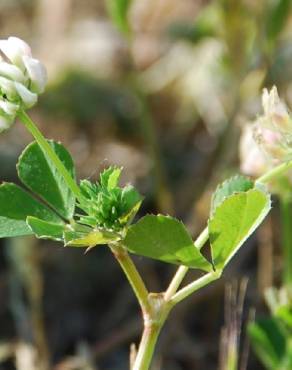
column 22, row 78
column 267, row 142
column 273, row 130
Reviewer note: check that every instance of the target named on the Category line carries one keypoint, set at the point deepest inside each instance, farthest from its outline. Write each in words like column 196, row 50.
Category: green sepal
column 74, row 238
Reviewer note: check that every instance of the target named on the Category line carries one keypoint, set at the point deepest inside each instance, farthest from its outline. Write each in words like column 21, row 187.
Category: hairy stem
column 47, row 149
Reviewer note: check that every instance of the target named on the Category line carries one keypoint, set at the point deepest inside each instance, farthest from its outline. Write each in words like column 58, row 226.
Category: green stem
column 182, row 270
column 194, row 286
column 47, row 149
column 132, row 275
column 286, row 223
column 147, row 347
column 275, row 172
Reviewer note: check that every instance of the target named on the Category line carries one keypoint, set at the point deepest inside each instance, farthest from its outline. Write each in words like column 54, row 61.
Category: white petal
column 14, row 48
column 12, row 72
column 5, row 123
column 9, row 108
column 8, row 88
column 37, row 73
column 28, row 98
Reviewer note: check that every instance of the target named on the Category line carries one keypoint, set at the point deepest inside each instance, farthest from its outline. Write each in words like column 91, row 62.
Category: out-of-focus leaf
column 205, row 25
column 285, row 314
column 40, row 175
column 234, row 221
column 276, row 17
column 166, row 239
column 118, row 10
column 268, row 342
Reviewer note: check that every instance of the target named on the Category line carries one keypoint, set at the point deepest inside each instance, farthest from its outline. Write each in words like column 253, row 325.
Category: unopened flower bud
column 22, row 78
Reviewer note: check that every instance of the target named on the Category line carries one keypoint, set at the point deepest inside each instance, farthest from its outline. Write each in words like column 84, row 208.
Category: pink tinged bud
column 271, row 142
column 28, row 98
column 275, row 111
column 36, row 73
column 253, row 161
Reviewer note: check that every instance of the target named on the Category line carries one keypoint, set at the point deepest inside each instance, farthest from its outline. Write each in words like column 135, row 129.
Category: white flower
column 22, row 78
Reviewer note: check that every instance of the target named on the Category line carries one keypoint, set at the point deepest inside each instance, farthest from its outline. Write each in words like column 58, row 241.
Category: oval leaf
column 40, row 175
column 166, row 239
column 234, row 221
column 15, row 205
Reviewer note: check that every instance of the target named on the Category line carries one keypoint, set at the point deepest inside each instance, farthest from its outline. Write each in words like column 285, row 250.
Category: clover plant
column 52, row 204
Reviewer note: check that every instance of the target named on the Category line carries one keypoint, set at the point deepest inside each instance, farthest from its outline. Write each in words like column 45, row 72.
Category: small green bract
column 106, row 204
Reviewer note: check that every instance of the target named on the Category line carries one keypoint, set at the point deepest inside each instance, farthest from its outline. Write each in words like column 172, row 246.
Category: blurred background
column 162, row 88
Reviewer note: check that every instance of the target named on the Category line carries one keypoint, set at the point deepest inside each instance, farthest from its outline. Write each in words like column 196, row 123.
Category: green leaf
column 44, row 229
column 39, row 174
column 285, row 314
column 15, row 205
column 277, row 15
column 118, row 11
column 10, row 228
column 233, row 185
column 268, row 342
column 166, row 239
column 234, row 221
column 91, row 239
